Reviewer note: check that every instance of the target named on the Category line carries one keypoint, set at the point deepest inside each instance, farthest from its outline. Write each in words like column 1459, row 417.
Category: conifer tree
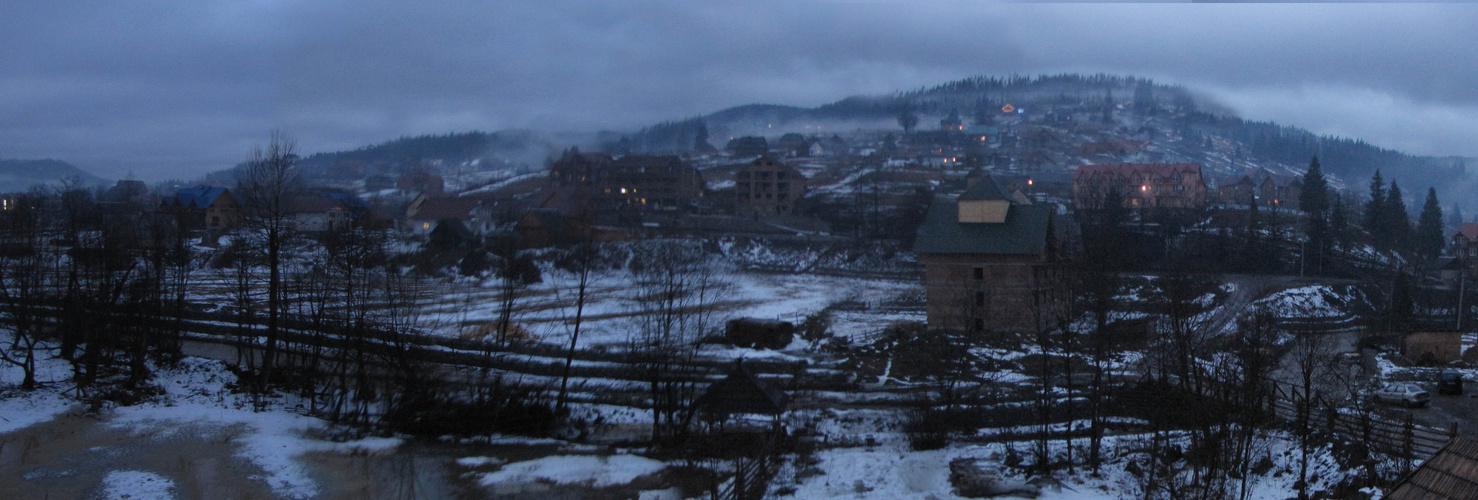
column 1313, row 200
column 1339, row 221
column 1429, row 239
column 1375, row 207
column 1396, row 223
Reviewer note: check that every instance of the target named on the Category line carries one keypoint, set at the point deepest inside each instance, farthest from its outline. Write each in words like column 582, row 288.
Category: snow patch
column 589, row 470
column 19, row 410
column 137, row 485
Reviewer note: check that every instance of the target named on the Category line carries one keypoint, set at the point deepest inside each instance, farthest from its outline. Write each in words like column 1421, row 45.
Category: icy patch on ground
column 137, row 485
column 19, row 410
column 588, row 470
column 480, row 461
column 196, row 393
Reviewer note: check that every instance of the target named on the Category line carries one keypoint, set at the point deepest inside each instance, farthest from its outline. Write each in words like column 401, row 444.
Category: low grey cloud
column 176, row 88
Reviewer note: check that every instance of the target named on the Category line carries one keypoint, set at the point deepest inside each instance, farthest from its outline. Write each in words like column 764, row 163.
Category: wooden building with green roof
column 990, row 262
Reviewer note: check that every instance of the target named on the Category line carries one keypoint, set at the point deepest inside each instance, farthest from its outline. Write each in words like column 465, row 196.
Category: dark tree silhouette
column 266, row 192
column 1313, row 200
column 908, row 121
column 1429, row 240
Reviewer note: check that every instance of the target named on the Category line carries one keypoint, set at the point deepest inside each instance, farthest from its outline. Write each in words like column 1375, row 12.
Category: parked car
column 1403, row 393
column 1450, row 382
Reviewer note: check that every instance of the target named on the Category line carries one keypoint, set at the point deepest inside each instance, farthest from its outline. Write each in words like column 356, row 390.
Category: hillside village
column 1043, row 294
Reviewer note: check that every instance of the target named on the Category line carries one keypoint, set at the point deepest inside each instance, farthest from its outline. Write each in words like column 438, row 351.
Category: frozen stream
column 69, row 458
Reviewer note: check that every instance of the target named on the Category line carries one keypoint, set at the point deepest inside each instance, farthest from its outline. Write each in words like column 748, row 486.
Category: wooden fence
column 1399, row 438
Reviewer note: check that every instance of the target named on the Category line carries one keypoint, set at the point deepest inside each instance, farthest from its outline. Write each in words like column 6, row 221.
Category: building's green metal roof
column 984, row 189
column 1023, row 233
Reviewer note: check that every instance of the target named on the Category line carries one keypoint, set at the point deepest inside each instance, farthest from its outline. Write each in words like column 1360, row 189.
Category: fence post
column 1408, row 454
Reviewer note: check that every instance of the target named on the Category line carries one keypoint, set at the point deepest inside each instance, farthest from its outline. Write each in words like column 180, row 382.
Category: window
column 979, row 325
column 979, row 273
column 979, row 299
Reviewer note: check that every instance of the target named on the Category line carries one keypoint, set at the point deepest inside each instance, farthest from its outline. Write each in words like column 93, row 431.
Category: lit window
column 425, row 225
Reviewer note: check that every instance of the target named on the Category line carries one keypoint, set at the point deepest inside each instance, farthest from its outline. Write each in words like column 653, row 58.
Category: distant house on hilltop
column 1236, row 190
column 425, row 211
column 989, row 262
column 1141, row 185
column 747, row 146
column 205, row 207
column 1280, row 191
column 1112, row 147
column 324, row 211
column 1465, row 241
column 794, row 144
column 1272, row 190
column 420, row 181
column 952, row 123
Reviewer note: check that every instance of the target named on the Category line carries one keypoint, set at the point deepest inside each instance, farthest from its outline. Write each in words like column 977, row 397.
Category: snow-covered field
column 864, row 453
column 547, row 309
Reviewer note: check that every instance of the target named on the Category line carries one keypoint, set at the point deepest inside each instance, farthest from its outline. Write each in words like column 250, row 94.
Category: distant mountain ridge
column 21, row 175
column 517, row 147
column 1177, row 111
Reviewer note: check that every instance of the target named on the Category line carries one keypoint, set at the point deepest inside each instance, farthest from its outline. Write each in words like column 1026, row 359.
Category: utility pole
column 1302, row 250
column 1461, row 287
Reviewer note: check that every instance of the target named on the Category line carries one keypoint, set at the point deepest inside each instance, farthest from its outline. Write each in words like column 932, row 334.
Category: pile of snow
column 1318, row 302
column 137, row 485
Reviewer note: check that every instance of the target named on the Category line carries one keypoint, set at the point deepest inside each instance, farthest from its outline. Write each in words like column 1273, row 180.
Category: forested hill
column 1144, row 102
column 513, row 147
column 20, row 175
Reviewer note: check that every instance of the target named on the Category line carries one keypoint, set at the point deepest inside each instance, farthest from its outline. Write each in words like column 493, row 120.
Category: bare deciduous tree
column 266, row 191
column 674, row 294
column 582, row 260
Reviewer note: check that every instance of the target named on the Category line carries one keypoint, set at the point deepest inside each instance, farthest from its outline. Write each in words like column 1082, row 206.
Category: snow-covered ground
column 1313, row 302
column 20, row 409
column 137, row 485
column 547, row 309
column 888, row 469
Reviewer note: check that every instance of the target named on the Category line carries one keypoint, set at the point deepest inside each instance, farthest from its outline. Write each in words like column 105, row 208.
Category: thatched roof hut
column 741, row 393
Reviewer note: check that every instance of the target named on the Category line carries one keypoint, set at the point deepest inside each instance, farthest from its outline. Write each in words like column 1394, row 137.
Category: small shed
column 1449, row 475
column 741, row 393
column 1433, row 347
column 762, row 333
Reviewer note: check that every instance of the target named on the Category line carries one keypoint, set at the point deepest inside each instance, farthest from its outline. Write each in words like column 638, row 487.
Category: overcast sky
column 174, row 89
